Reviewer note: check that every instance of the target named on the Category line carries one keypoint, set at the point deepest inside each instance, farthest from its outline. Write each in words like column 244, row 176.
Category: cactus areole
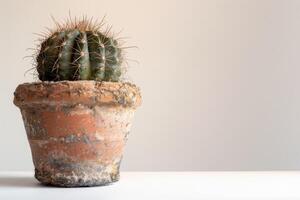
column 78, row 118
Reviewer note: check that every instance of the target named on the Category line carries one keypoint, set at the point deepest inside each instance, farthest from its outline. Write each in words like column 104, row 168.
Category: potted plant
column 77, row 118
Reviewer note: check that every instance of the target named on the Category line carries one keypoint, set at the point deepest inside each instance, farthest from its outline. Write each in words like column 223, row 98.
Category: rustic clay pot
column 77, row 129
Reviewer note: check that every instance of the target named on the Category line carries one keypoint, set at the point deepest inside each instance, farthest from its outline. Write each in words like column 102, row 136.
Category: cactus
column 78, row 50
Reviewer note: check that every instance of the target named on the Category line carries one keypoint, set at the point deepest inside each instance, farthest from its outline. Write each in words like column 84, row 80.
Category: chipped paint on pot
column 77, row 130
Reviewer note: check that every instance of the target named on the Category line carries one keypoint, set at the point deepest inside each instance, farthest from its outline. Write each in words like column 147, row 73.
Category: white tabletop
column 162, row 185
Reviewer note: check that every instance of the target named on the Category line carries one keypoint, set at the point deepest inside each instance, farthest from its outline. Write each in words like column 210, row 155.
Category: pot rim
column 84, row 92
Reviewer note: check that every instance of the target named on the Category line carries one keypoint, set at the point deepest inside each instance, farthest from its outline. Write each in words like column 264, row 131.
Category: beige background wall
column 220, row 80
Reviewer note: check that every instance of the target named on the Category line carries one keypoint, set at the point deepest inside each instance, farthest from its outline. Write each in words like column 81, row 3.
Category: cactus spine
column 79, row 51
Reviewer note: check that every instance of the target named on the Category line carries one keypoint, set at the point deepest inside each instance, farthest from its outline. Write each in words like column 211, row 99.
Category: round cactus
column 79, row 51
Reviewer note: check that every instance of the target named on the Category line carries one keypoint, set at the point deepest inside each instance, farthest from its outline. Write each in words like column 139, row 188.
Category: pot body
column 77, row 130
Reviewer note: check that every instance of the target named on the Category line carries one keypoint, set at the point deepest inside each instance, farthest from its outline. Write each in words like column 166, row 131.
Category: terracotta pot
column 77, row 129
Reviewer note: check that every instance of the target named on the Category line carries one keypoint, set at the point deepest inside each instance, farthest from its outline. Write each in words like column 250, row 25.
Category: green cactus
column 79, row 52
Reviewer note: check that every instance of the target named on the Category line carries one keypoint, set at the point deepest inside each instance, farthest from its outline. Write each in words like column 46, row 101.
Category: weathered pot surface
column 77, row 129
